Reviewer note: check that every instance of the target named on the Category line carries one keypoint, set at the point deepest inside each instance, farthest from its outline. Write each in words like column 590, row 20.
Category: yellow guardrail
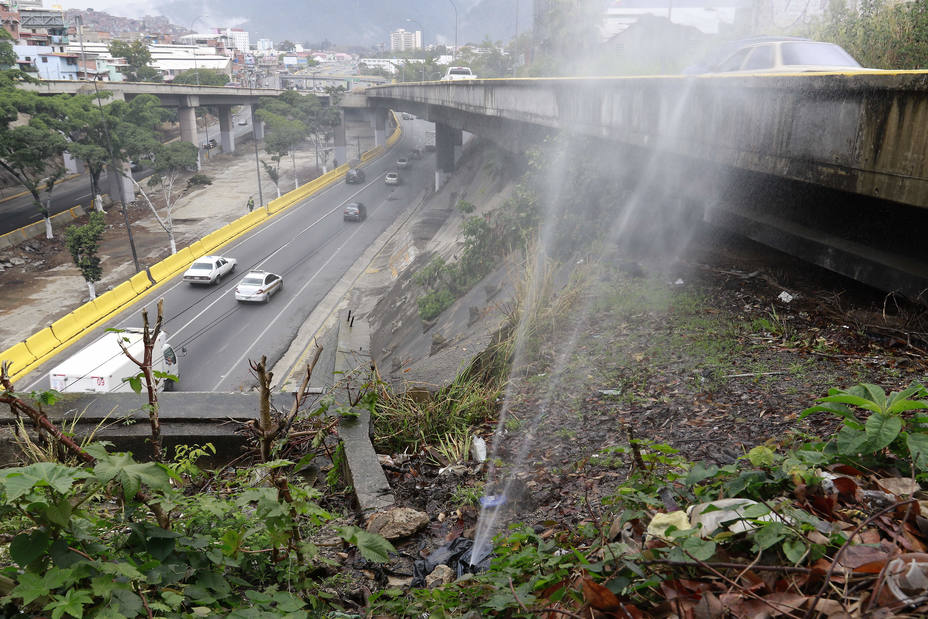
column 41, row 346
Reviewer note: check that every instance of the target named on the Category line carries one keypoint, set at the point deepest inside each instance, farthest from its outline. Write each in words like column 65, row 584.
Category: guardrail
column 41, row 346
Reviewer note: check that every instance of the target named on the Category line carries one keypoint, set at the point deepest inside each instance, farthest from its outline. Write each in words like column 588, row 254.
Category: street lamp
column 80, row 36
column 455, row 50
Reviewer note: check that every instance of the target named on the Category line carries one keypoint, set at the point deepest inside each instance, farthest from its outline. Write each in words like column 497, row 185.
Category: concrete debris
column 785, row 297
column 15, row 261
column 478, row 449
column 397, row 522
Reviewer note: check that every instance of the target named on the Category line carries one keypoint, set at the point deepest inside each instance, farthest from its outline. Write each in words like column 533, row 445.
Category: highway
column 309, row 245
column 19, row 211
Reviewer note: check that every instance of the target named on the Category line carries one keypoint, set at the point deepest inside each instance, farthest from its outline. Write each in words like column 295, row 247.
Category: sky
column 122, row 8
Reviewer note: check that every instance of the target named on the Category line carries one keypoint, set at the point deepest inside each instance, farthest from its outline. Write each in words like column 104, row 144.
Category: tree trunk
column 278, row 189
column 173, row 244
column 92, row 289
column 48, row 228
column 296, row 183
column 98, row 203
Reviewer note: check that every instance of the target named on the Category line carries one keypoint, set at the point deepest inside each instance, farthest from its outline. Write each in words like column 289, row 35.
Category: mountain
column 355, row 22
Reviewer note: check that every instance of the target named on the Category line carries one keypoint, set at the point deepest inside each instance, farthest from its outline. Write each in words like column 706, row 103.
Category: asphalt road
column 19, row 211
column 309, row 245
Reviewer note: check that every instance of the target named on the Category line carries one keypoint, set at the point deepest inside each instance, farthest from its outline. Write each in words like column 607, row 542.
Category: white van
column 102, row 366
column 458, row 73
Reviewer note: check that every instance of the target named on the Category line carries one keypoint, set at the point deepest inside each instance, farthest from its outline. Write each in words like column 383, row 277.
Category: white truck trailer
column 102, row 366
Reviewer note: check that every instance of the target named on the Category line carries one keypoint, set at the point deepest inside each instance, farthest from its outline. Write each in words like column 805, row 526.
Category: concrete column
column 226, row 127
column 72, row 165
column 341, row 150
column 445, row 139
column 380, row 126
column 188, row 124
column 121, row 188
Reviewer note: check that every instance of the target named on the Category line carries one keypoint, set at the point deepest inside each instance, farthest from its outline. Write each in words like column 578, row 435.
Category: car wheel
column 218, row 279
column 168, row 384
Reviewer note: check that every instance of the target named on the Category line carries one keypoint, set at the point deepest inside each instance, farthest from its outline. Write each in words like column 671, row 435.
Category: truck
column 429, row 141
column 102, row 366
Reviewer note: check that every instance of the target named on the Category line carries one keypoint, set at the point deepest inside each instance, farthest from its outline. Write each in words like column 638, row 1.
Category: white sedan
column 258, row 286
column 209, row 270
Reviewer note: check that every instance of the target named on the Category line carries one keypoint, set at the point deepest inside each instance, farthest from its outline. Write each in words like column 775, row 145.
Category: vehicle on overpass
column 258, row 287
column 354, row 175
column 455, row 74
column 392, row 178
column 355, row 211
column 102, row 367
column 209, row 270
column 787, row 55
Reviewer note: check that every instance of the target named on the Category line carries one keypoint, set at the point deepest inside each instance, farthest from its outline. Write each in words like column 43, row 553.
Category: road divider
column 39, row 347
column 37, row 228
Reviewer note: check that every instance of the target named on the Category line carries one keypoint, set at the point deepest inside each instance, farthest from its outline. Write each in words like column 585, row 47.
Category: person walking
column 251, row 203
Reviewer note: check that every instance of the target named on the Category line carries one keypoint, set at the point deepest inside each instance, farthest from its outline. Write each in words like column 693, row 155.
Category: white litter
column 785, row 297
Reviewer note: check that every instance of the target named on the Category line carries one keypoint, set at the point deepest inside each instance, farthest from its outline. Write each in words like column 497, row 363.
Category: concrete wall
column 865, row 133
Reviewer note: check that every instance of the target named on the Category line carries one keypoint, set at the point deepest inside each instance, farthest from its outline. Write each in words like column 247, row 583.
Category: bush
column 199, row 179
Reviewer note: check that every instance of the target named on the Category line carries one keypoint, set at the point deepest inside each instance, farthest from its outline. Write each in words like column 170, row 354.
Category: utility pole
column 80, row 36
column 257, row 163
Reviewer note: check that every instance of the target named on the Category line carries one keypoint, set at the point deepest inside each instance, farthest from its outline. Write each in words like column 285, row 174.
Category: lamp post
column 80, row 36
column 455, row 50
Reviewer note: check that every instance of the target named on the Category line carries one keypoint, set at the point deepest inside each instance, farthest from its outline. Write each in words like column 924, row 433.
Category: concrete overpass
column 830, row 167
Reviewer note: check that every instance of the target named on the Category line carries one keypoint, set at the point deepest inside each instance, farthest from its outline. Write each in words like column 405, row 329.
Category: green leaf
column 699, row 472
column 762, row 456
column 853, row 400
column 794, row 549
column 700, row 549
column 27, row 547
column 20, row 481
column 768, row 535
column 917, row 443
column 373, row 547
column 59, row 512
column 72, row 603
column 850, row 441
column 882, row 430
column 755, row 510
column 135, row 383
column 31, row 587
column 130, row 474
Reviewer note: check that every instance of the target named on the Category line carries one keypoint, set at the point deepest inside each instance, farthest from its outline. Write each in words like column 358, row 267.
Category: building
column 402, row 40
column 43, row 28
column 236, row 38
column 174, row 59
column 44, row 62
column 96, row 62
column 9, row 20
column 265, row 45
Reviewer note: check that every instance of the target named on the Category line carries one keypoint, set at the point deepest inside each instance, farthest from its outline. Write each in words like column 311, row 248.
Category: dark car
column 355, row 211
column 211, row 144
column 355, row 175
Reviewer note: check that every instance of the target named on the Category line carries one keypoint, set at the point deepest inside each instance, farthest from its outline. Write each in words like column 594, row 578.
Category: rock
column 441, row 575
column 478, row 449
column 397, row 522
column 15, row 261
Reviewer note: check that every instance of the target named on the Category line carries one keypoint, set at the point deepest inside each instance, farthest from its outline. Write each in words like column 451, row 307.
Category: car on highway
column 402, row 162
column 243, row 121
column 458, row 73
column 354, row 175
column 209, row 270
column 415, row 154
column 392, row 178
column 787, row 55
column 258, row 286
column 355, row 211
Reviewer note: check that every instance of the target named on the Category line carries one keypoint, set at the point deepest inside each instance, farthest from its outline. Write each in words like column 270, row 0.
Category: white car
column 402, row 162
column 258, row 286
column 392, row 178
column 788, row 55
column 458, row 73
column 209, row 270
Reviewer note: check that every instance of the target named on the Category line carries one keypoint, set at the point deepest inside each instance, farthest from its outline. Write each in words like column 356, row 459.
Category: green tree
column 138, row 59
column 169, row 160
column 132, row 132
column 286, row 46
column 207, row 77
column 83, row 243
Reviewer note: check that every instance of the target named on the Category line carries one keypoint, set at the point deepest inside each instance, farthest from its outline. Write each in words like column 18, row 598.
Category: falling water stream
column 639, row 202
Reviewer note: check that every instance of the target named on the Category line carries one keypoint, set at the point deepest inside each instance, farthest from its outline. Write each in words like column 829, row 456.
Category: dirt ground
column 44, row 285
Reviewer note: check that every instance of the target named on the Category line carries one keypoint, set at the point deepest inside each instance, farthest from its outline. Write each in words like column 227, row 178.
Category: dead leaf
column 709, row 607
column 859, row 555
column 846, row 487
column 786, row 603
column 743, row 608
column 831, row 609
column 899, row 486
column 598, row 596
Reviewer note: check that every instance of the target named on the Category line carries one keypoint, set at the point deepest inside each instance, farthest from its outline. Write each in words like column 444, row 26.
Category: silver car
column 258, row 286
column 209, row 270
column 392, row 178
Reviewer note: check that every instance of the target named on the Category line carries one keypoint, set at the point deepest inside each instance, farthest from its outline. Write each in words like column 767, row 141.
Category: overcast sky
column 123, row 8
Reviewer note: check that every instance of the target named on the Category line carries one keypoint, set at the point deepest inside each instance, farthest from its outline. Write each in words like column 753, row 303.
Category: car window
column 733, row 63
column 806, row 53
column 761, row 57
column 202, row 266
column 271, row 279
column 256, row 280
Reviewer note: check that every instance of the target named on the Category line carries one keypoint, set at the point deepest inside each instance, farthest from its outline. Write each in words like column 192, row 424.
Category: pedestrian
column 251, row 203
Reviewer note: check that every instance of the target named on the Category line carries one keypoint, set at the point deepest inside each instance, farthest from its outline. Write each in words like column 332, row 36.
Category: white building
column 265, row 45
column 237, row 38
column 390, row 65
column 174, row 59
column 402, row 40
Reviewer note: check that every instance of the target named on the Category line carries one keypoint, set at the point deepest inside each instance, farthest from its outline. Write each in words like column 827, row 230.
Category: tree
column 207, row 77
column 138, row 59
column 286, row 46
column 132, row 131
column 169, row 161
column 83, row 243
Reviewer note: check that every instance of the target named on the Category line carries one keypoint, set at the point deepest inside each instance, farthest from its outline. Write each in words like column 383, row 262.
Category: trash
column 478, row 449
column 717, row 514
column 456, row 554
column 492, row 500
column 679, row 282
column 610, row 392
column 785, row 297
column 907, row 576
column 661, row 522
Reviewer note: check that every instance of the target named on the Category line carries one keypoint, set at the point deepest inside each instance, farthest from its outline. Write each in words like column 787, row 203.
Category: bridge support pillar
column 445, row 140
column 226, row 126
column 341, row 141
column 257, row 126
column 380, row 126
column 188, row 124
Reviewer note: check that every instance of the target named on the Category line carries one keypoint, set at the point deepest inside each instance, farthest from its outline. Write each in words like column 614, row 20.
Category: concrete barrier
column 140, row 282
column 120, row 295
column 19, row 356
column 31, row 231
column 171, row 265
column 42, row 343
column 66, row 327
column 214, row 239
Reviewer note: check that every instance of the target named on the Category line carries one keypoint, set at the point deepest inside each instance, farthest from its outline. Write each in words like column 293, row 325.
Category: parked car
column 209, row 270
column 258, row 286
column 243, row 121
column 355, row 175
column 458, row 73
column 787, row 55
column 355, row 211
column 392, row 178
column 407, row 116
column 402, row 162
